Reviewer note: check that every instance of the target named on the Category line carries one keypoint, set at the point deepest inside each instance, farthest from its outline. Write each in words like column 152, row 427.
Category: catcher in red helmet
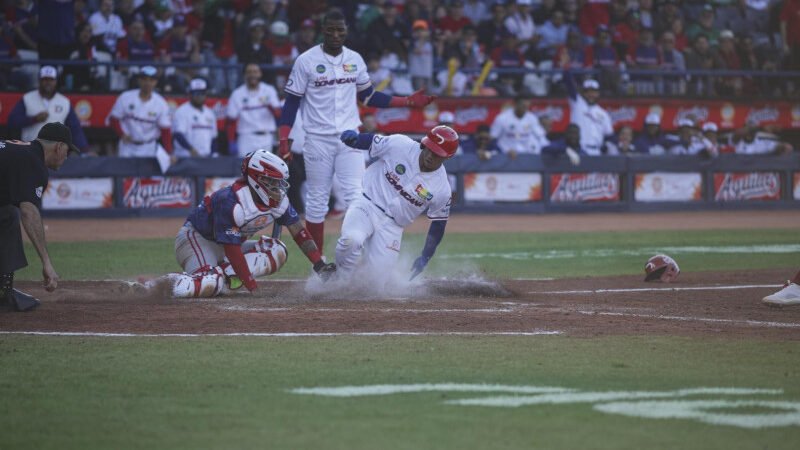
column 406, row 179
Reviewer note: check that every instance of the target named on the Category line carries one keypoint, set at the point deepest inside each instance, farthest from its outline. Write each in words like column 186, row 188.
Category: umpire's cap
column 58, row 132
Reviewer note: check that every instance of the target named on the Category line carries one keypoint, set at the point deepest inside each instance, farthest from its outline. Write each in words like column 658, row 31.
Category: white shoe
column 790, row 295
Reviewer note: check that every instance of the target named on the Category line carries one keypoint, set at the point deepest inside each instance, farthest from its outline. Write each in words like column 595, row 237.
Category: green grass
column 539, row 254
column 232, row 392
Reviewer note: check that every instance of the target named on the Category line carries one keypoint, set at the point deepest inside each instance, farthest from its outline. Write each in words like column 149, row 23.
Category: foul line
column 290, row 335
column 691, row 288
column 372, row 310
column 753, row 323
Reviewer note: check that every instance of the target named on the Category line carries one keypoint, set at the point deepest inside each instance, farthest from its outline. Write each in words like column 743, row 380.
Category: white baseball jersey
column 396, row 184
column 199, row 126
column 521, row 134
column 762, row 143
column 252, row 109
column 110, row 28
column 141, row 120
column 594, row 122
column 57, row 110
column 329, row 85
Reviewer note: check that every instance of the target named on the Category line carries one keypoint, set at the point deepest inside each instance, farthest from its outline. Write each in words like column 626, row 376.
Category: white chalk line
column 665, row 289
column 372, row 310
column 290, row 335
column 753, row 323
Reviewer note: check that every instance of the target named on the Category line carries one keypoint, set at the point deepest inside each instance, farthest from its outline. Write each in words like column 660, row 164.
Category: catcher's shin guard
column 264, row 257
column 193, row 286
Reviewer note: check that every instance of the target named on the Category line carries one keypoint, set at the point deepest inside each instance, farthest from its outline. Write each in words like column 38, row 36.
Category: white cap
column 149, row 71
column 198, row 84
column 710, row 126
column 591, row 84
column 48, row 72
column 279, row 28
column 726, row 34
column 257, row 22
column 447, row 117
column 686, row 123
column 652, row 119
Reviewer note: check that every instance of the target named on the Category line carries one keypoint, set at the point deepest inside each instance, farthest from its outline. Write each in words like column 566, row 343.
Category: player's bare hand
column 284, row 151
column 419, row 99
column 350, row 138
column 325, row 270
column 41, row 117
column 50, row 277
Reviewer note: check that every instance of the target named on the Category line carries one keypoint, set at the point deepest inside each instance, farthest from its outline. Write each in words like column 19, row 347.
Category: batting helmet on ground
column 442, row 141
column 661, row 267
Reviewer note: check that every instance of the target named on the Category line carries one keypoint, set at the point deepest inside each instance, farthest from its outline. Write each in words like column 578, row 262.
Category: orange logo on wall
column 727, row 112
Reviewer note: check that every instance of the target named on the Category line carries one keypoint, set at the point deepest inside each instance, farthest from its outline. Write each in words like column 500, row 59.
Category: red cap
column 441, row 140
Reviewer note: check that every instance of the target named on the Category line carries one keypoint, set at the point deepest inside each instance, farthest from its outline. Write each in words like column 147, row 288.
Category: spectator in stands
column 10, row 79
column 136, row 47
column 727, row 58
column 644, row 55
column 603, row 57
column 179, row 47
column 140, row 116
column 594, row 122
column 750, row 140
column 668, row 13
column 55, row 29
column 253, row 49
column 306, row 37
column 217, row 40
column 681, row 41
column 700, row 57
column 381, row 77
column 508, row 56
column 252, row 110
column 622, row 143
column 651, row 141
column 490, row 31
column 23, row 19
column 647, row 14
column 44, row 105
column 573, row 54
column 269, row 11
column 451, row 80
column 517, row 130
column 85, row 78
column 106, row 27
column 481, row 143
column 591, row 15
column 569, row 145
column 671, row 60
column 752, row 59
column 520, row 23
column 553, row 35
column 625, row 34
column 194, row 125
column 454, row 21
column 283, row 50
column 146, row 12
column 420, row 56
column 705, row 26
column 389, row 32
column 126, row 10
column 466, row 49
column 789, row 21
column 476, row 11
column 162, row 23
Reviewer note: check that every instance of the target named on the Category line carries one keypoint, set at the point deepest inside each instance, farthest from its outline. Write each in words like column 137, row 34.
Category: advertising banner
column 744, row 186
column 216, row 183
column 157, row 192
column 668, row 187
column 79, row 193
column 503, row 187
column 584, row 187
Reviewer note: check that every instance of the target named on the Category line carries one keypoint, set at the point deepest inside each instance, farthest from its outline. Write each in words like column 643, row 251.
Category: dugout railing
column 116, row 187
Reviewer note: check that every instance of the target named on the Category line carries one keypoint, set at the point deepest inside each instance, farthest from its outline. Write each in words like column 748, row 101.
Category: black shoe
column 23, row 302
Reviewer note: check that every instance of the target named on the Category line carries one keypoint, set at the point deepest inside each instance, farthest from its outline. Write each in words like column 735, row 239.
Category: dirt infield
column 701, row 304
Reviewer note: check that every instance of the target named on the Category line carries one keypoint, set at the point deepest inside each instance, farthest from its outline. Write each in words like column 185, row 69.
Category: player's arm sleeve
column 435, row 235
column 569, row 83
column 364, row 141
column 18, row 117
column 289, row 110
column 78, row 137
column 234, row 254
column 306, row 243
column 180, row 138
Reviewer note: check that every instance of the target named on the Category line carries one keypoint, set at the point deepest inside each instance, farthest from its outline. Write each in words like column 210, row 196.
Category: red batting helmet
column 441, row 140
column 661, row 267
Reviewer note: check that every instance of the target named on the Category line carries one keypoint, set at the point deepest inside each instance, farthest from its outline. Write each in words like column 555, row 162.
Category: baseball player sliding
column 330, row 77
column 252, row 107
column 213, row 248
column 407, row 179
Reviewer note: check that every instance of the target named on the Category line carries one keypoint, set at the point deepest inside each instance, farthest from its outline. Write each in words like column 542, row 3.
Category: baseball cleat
column 23, row 302
column 789, row 295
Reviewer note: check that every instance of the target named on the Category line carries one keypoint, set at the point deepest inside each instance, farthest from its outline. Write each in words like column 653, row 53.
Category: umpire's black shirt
column 23, row 175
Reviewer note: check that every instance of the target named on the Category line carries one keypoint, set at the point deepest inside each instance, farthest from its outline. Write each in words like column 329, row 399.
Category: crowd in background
column 437, row 44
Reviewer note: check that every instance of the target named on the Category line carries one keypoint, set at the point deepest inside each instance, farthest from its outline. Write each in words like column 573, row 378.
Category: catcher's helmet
column 442, row 141
column 267, row 174
column 661, row 267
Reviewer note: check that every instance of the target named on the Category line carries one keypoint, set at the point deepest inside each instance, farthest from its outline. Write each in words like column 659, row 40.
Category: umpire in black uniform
column 23, row 179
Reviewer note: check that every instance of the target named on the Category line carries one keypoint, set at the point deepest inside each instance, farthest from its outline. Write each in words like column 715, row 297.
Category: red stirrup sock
column 317, row 231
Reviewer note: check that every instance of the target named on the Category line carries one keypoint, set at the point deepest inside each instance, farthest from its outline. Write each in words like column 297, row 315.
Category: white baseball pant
column 131, row 150
column 326, row 155
column 370, row 242
column 249, row 142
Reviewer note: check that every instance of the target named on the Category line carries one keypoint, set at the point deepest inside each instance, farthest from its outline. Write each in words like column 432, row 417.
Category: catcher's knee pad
column 193, row 286
column 267, row 257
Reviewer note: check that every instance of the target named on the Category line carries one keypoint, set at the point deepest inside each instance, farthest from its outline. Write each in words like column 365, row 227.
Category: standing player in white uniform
column 593, row 120
column 407, row 180
column 330, row 77
column 194, row 125
column 253, row 106
column 140, row 116
column 517, row 130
